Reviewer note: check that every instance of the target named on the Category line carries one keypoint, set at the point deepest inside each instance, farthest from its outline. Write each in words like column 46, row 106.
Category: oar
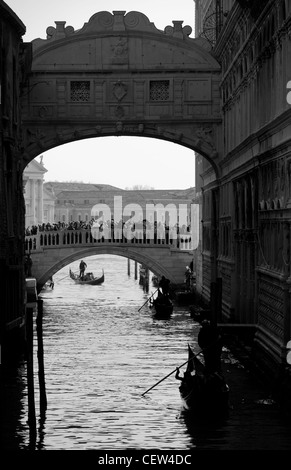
column 67, row 275
column 171, row 373
column 147, row 300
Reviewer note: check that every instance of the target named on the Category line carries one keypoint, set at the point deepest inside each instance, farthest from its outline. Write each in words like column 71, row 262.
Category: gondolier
column 210, row 341
column 164, row 284
column 82, row 268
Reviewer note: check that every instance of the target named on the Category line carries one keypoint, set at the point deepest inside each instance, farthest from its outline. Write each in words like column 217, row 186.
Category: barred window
column 80, row 91
column 160, row 90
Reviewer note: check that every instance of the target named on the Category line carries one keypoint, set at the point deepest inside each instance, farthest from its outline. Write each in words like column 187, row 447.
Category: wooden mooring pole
column 30, row 380
column 41, row 375
column 128, row 266
column 135, row 270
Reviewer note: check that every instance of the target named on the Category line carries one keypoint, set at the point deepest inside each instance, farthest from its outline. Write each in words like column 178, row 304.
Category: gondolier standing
column 164, row 284
column 210, row 341
column 82, row 268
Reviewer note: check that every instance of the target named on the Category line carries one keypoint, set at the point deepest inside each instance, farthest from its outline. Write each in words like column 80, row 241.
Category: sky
column 119, row 161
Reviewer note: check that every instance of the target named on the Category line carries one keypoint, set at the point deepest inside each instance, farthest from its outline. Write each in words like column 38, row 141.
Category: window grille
column 160, row 90
column 80, row 91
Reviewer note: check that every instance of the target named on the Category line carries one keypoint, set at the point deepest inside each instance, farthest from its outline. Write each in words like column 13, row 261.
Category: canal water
column 102, row 351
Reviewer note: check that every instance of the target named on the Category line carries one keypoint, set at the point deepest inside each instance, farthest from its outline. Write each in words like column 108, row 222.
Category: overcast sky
column 119, row 161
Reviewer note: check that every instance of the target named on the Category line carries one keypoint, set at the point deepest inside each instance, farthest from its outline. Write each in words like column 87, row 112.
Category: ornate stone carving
column 42, row 112
column 177, row 31
column 119, row 90
column 204, row 139
column 119, row 112
column 59, row 31
column 120, row 51
column 36, row 138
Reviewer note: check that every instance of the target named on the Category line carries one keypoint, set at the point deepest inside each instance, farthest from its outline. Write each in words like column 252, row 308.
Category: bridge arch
column 52, row 264
column 120, row 75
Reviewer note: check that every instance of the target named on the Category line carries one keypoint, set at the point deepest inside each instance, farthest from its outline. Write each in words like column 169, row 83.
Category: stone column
column 40, row 201
column 33, row 218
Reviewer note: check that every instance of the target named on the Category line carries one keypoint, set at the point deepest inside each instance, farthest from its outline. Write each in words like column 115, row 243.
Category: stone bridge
column 50, row 251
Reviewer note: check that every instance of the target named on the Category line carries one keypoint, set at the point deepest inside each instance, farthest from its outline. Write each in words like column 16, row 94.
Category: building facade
column 15, row 59
column 246, row 221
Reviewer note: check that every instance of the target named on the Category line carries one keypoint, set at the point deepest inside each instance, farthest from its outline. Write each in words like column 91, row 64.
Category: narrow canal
column 102, row 352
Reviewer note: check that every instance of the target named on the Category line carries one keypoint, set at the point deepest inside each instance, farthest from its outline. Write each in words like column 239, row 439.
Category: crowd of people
column 48, row 227
column 159, row 228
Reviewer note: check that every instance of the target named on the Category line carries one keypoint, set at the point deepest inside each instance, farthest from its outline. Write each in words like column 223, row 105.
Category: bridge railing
column 84, row 237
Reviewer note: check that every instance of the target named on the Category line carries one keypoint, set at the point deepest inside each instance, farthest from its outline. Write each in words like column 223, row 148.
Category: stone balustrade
column 86, row 237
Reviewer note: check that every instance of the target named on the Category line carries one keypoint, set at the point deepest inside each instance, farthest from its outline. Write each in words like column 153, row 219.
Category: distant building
column 81, row 202
column 39, row 202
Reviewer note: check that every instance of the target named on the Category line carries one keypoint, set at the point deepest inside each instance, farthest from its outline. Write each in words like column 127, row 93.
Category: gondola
column 162, row 305
column 88, row 278
column 201, row 392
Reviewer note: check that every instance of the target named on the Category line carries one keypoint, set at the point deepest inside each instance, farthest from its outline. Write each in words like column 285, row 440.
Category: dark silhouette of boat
column 203, row 392
column 88, row 278
column 162, row 305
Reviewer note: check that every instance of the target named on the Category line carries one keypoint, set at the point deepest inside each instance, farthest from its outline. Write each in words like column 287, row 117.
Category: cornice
column 8, row 15
column 271, row 128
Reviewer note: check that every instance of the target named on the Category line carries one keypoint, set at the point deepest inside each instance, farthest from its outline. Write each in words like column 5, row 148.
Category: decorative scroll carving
column 118, row 21
column 177, row 31
column 59, row 31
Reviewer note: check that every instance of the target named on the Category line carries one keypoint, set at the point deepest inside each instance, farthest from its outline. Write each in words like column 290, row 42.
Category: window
column 159, row 90
column 86, row 201
column 80, row 91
